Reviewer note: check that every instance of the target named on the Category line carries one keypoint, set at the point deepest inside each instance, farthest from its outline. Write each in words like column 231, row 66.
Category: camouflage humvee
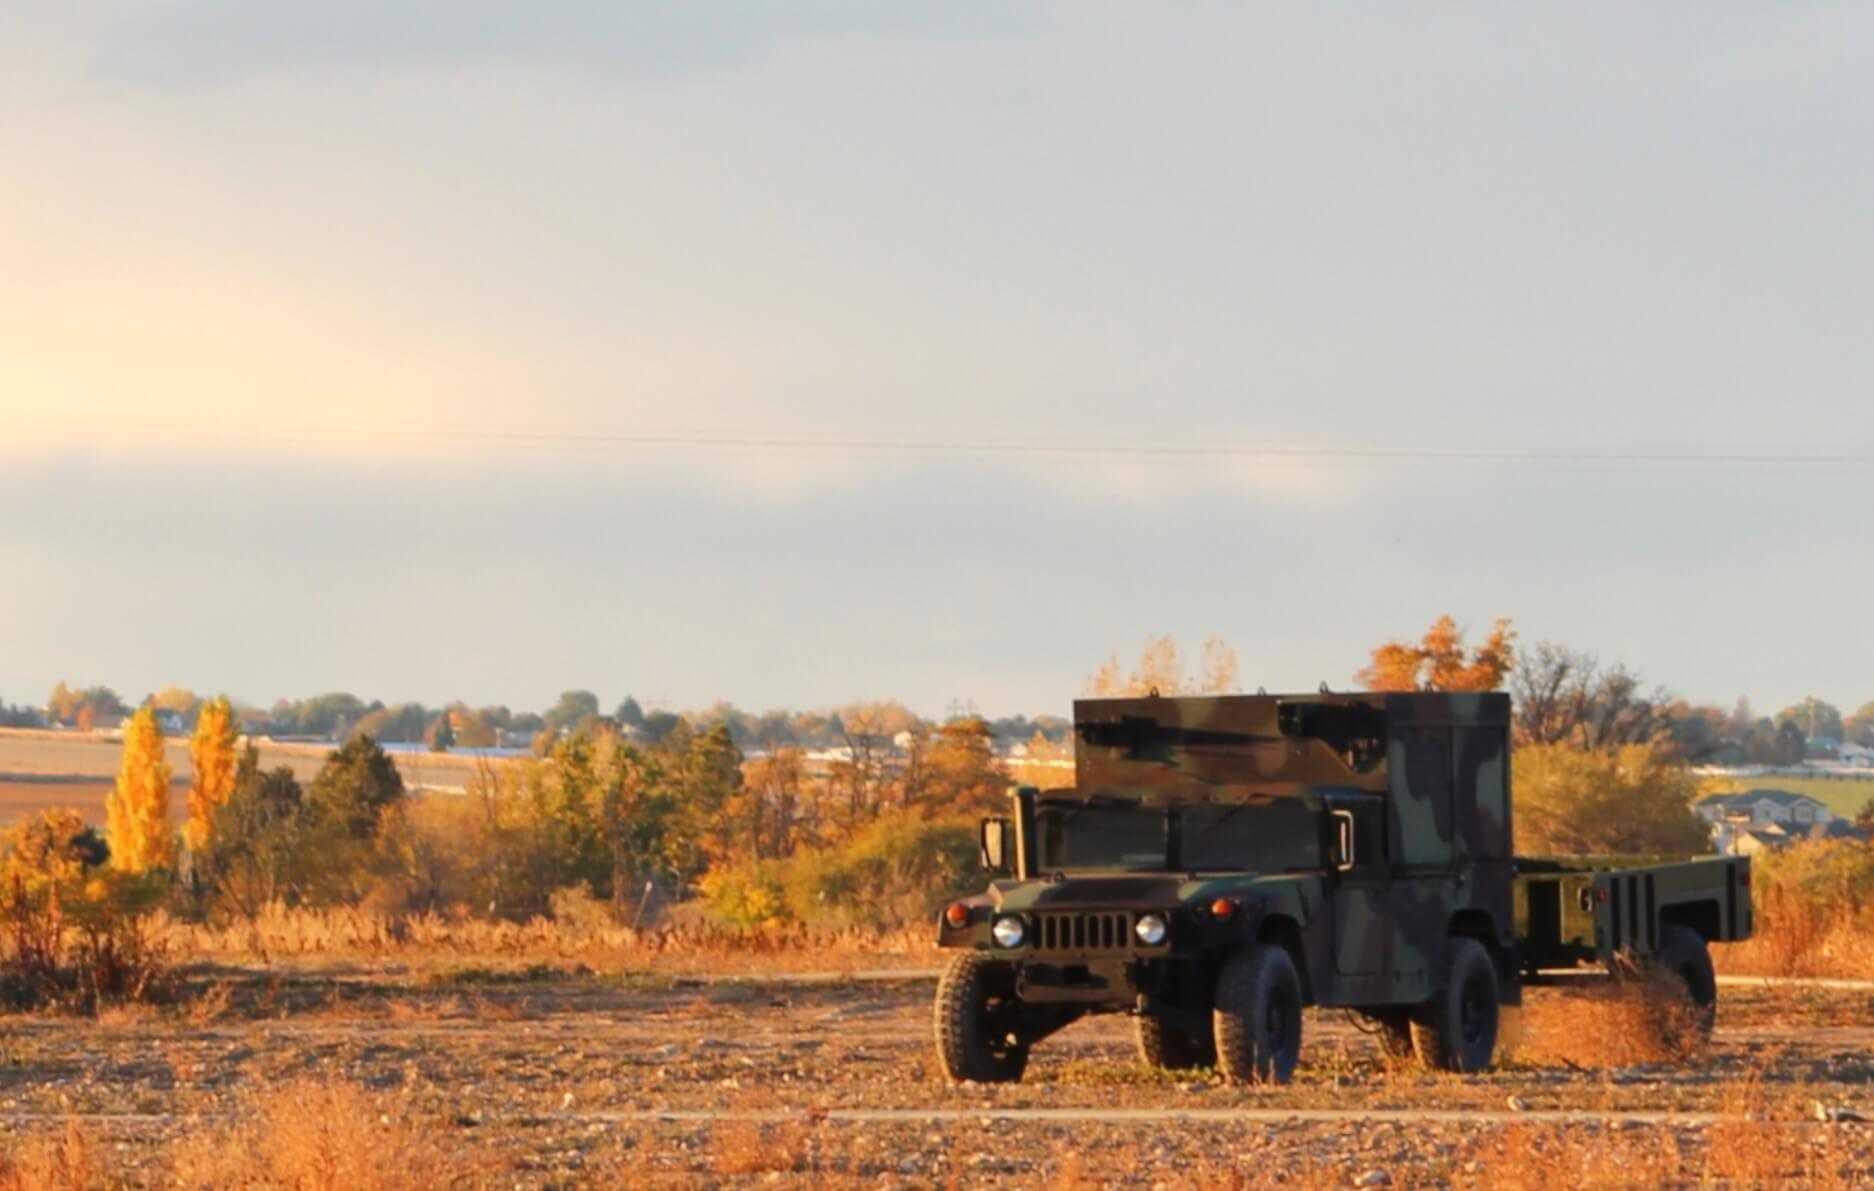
column 1223, row 862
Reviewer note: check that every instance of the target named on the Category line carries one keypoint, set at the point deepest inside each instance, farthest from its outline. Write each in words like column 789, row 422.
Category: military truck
column 1222, row 863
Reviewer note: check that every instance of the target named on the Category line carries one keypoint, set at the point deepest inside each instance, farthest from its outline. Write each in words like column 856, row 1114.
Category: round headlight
column 1008, row 932
column 1150, row 928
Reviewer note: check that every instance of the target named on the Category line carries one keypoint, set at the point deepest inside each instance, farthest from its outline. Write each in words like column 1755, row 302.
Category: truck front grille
column 1083, row 932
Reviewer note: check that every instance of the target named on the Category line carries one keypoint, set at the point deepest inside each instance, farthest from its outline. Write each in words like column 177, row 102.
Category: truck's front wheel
column 1166, row 1047
column 1457, row 1029
column 978, row 1035
column 1257, row 1021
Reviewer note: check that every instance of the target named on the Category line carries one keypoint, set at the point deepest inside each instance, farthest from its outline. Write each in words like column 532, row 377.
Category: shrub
column 74, row 928
column 246, row 858
column 898, row 868
column 747, row 895
column 1815, row 911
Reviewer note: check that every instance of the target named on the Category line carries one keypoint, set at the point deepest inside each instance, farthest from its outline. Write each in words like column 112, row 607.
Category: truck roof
column 1270, row 741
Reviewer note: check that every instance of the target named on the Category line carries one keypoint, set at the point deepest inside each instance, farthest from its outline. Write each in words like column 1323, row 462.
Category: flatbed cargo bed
column 1584, row 909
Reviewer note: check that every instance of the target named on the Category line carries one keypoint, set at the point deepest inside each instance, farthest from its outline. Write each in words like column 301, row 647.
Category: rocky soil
column 571, row 1082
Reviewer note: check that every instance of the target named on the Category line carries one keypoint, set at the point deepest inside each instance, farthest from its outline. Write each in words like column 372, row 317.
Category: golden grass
column 1545, row 1157
column 441, row 944
column 319, row 1135
column 323, row 1135
column 1801, row 941
column 1641, row 1018
column 61, row 1162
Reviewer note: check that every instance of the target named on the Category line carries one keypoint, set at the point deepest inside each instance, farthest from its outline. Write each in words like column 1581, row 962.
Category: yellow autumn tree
column 1439, row 661
column 1161, row 669
column 212, row 757
column 137, row 813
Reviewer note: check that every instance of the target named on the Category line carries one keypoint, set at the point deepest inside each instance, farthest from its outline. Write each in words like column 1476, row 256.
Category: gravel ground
column 560, row 1083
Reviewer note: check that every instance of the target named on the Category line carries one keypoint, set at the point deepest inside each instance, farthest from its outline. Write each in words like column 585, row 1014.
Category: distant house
column 1859, row 756
column 1748, row 841
column 1759, row 819
column 1758, row 807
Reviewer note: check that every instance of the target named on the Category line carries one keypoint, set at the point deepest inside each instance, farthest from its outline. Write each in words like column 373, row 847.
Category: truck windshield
column 1279, row 835
column 1268, row 836
column 1102, row 835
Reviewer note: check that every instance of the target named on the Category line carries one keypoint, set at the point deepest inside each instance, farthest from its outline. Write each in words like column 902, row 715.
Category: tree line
column 1562, row 695
column 336, row 716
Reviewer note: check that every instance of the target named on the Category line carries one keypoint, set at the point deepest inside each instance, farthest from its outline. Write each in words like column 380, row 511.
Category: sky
column 793, row 354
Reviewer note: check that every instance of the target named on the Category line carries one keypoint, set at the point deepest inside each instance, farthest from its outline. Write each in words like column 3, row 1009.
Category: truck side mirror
column 997, row 844
column 1344, row 857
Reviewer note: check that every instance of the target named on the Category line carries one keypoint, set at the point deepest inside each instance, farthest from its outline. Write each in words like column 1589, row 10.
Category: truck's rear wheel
column 1682, row 952
column 1166, row 1047
column 977, row 1029
column 1457, row 1029
column 1257, row 1021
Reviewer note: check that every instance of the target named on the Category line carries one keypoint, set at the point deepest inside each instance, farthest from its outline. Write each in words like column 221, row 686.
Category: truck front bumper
column 1115, row 982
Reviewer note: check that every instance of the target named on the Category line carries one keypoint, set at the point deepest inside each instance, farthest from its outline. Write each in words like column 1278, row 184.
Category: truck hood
column 1106, row 893
column 1145, row 891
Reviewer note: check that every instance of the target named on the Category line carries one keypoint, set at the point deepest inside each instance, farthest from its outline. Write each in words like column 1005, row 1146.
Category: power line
column 991, row 449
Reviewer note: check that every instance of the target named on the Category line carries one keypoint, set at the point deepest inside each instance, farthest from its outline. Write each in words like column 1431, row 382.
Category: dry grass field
column 346, row 1048
column 23, row 795
column 694, row 1068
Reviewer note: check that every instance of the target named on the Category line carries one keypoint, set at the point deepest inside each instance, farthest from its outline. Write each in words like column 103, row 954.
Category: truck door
column 1363, row 938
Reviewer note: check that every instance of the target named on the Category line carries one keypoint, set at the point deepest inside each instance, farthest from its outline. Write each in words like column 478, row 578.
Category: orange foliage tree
column 137, row 813
column 212, row 756
column 1440, row 662
column 1161, row 668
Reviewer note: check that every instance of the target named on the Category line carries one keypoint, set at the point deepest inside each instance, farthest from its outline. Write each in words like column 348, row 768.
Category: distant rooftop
column 1751, row 797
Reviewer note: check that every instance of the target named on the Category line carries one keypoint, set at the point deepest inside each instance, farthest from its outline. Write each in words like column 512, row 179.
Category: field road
column 903, row 975
column 40, row 769
column 1068, row 1116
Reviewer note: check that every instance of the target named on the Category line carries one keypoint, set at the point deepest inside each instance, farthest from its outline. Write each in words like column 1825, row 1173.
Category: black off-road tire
column 1682, row 952
column 977, row 1034
column 1257, row 1020
column 1457, row 1029
column 1168, row 1048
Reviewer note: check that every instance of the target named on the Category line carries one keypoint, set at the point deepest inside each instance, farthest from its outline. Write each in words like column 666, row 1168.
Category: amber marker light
column 1223, row 909
column 957, row 914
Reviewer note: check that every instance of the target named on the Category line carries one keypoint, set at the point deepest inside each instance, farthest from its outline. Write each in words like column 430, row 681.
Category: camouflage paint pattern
column 1191, row 743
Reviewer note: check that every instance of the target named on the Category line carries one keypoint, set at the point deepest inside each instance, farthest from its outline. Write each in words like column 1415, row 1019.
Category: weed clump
column 1640, row 1017
column 319, row 1135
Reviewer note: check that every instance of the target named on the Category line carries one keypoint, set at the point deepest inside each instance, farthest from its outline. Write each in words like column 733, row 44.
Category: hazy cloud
column 206, row 42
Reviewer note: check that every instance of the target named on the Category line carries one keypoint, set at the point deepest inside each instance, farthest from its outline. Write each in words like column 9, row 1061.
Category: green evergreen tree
column 357, row 784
